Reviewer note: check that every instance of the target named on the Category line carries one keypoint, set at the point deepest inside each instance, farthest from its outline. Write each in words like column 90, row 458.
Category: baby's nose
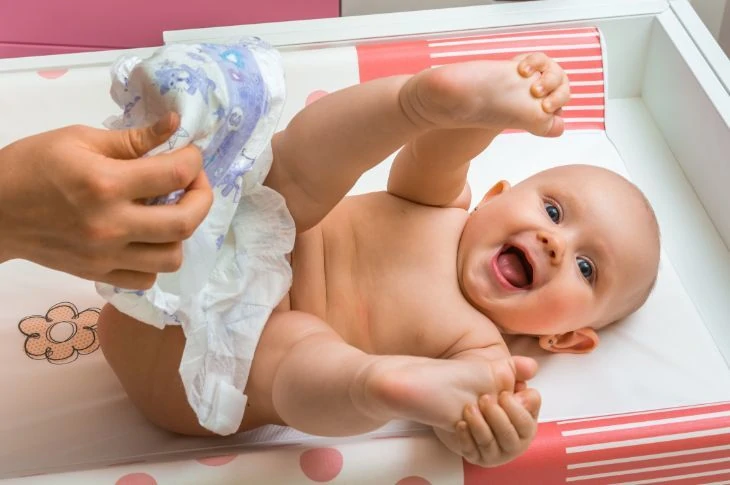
column 553, row 245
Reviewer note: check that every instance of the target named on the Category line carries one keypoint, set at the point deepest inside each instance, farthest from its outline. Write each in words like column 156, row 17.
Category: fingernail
column 527, row 70
column 473, row 410
column 163, row 125
column 539, row 89
column 484, row 400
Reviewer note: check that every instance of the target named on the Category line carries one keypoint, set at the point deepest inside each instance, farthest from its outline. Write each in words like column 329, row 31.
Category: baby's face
column 568, row 248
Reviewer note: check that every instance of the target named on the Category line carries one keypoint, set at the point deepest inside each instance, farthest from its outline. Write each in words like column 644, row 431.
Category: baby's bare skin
column 376, row 326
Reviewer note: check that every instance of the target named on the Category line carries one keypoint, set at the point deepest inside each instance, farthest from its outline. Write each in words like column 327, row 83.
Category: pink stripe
column 582, row 64
column 513, row 44
column 387, row 59
column 583, row 113
column 585, row 76
column 586, row 89
column 647, row 432
column 673, row 460
column 645, row 416
column 585, row 101
column 585, row 30
column 702, row 480
column 649, row 449
column 660, row 474
column 585, row 125
column 506, row 56
column 381, row 60
column 569, row 125
column 543, row 463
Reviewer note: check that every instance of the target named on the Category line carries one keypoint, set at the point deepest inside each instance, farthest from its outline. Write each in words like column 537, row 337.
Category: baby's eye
column 586, row 268
column 553, row 211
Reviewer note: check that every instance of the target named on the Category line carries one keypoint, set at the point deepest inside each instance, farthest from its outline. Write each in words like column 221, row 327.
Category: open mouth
column 514, row 266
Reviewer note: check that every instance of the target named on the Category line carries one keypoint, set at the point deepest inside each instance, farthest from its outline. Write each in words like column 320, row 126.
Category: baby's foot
column 431, row 391
column 525, row 93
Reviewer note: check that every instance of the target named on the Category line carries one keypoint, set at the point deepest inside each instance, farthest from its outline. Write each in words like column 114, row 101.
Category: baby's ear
column 498, row 188
column 577, row 342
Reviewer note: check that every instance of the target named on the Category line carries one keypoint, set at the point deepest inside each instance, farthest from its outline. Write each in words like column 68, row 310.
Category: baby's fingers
column 499, row 422
column 480, row 431
column 469, row 449
column 522, row 412
column 529, row 399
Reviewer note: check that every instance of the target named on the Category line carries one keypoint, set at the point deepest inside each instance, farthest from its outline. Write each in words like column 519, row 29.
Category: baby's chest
column 418, row 316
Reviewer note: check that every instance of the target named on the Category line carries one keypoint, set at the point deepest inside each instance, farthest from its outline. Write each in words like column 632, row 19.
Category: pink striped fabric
column 577, row 50
column 689, row 445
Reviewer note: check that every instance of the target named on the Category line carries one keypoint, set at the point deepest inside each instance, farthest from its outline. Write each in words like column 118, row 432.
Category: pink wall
column 35, row 27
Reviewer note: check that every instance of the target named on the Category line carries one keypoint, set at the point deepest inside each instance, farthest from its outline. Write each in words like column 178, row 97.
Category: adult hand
column 72, row 200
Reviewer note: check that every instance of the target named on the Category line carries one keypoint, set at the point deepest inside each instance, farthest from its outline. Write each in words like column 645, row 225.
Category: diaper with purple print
column 235, row 268
column 229, row 98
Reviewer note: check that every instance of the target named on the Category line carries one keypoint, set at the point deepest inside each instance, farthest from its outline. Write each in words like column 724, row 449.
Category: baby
column 398, row 298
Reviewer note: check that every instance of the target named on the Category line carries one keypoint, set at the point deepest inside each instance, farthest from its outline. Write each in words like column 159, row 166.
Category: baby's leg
column 303, row 375
column 319, row 384
column 329, row 144
column 146, row 360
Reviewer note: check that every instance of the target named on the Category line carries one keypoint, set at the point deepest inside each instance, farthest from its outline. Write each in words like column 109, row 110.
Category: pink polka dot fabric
column 321, row 464
column 52, row 74
column 216, row 460
column 413, row 481
column 136, row 479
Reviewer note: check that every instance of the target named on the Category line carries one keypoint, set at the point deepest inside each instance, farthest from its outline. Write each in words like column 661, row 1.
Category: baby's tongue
column 511, row 267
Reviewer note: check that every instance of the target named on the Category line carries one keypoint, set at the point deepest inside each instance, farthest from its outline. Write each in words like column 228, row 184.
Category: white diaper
column 235, row 270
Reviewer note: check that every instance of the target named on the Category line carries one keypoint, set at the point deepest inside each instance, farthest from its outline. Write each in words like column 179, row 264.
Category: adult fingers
column 131, row 280
column 161, row 174
column 151, row 258
column 135, row 142
column 170, row 223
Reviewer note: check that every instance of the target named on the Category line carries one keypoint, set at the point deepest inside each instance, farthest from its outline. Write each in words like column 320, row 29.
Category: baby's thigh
column 146, row 360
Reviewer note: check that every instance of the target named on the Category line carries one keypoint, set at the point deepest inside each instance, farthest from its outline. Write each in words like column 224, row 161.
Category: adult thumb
column 135, row 142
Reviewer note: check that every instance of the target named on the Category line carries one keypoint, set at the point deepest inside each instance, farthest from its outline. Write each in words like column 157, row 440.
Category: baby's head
column 560, row 255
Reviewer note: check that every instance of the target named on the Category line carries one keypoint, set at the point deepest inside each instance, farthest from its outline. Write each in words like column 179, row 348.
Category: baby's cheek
column 563, row 310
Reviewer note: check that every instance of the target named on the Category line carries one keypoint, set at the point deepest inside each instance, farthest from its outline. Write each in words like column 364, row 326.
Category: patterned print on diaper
column 224, row 159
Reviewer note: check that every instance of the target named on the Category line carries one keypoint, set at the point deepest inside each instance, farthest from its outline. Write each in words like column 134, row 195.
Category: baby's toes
column 557, row 99
column 550, row 80
column 532, row 63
